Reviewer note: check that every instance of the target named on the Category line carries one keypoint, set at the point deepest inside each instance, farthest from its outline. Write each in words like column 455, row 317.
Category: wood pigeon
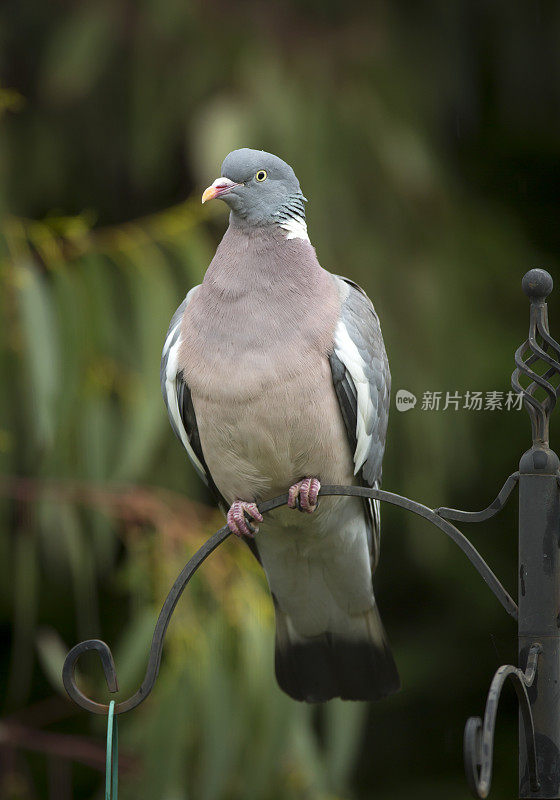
column 275, row 376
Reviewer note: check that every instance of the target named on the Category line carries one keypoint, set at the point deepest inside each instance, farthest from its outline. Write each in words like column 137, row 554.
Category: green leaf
column 82, row 569
column 344, row 729
column 26, row 596
column 164, row 760
column 154, row 302
column 52, row 652
column 131, row 654
column 40, row 351
column 223, row 720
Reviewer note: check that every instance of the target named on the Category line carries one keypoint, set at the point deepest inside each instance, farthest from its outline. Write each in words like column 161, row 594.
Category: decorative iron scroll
column 478, row 742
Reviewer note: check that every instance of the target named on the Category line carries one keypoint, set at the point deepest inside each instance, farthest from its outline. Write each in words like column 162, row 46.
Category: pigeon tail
column 318, row 668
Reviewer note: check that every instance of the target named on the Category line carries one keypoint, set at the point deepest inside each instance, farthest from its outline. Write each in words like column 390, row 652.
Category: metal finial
column 537, row 284
column 539, row 347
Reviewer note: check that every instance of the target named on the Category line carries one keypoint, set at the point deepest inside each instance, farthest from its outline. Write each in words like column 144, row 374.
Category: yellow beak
column 209, row 193
column 220, row 187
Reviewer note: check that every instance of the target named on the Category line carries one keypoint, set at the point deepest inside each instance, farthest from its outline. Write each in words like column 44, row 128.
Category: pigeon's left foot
column 239, row 516
column 303, row 495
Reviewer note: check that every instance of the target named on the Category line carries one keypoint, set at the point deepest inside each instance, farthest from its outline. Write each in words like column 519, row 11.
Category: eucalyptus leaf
column 40, row 351
column 52, row 651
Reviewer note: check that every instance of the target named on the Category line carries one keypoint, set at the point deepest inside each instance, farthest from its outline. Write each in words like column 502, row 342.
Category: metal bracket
column 154, row 659
column 478, row 742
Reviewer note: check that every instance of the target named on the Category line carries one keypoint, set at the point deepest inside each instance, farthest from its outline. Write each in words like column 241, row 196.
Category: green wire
column 112, row 762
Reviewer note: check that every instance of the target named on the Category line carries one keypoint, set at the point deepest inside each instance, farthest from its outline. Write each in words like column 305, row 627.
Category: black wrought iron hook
column 478, row 741
column 156, row 648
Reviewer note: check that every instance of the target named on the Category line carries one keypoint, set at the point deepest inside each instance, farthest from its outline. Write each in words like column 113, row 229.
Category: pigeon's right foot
column 239, row 518
column 303, row 495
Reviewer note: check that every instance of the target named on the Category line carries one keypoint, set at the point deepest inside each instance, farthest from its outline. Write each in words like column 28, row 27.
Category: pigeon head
column 260, row 189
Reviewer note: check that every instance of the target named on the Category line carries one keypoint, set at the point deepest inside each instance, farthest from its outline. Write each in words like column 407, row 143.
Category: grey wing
column 362, row 382
column 178, row 401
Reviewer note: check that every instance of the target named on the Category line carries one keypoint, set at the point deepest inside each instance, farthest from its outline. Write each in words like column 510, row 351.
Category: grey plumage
column 274, row 370
column 362, row 323
column 278, row 197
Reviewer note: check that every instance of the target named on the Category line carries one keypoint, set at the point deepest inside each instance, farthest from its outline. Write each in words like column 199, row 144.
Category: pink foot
column 238, row 518
column 303, row 495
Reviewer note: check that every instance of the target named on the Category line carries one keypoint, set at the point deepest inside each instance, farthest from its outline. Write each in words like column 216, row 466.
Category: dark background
column 426, row 136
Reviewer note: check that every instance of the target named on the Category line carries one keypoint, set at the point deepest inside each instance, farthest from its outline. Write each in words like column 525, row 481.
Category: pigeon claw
column 303, row 495
column 242, row 518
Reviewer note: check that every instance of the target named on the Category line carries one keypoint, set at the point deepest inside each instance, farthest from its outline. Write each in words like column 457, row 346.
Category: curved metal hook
column 488, row 512
column 478, row 741
column 154, row 659
column 107, row 663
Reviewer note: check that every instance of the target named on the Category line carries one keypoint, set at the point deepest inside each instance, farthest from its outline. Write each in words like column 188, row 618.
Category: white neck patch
column 296, row 228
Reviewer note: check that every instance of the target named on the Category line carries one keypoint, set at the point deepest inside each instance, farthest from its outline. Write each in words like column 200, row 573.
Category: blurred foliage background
column 427, row 137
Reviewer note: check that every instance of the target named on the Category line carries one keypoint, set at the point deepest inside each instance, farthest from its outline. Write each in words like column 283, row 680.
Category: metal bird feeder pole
column 539, row 542
column 537, row 679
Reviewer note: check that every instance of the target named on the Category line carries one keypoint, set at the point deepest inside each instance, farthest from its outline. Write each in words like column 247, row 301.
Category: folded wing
column 362, row 382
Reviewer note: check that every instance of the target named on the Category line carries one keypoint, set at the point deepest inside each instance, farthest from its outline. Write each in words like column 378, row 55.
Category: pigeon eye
column 261, row 175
